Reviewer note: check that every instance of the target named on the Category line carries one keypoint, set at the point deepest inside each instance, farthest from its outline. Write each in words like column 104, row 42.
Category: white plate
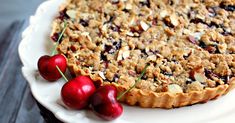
column 35, row 43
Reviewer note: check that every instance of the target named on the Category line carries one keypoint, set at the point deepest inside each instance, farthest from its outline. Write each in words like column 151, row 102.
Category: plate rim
column 26, row 66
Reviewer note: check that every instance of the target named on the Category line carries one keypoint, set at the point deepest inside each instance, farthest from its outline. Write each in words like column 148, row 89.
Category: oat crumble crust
column 189, row 44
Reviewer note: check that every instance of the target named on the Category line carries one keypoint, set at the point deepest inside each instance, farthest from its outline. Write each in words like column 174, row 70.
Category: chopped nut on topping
column 123, row 53
column 128, row 6
column 174, row 88
column 101, row 74
column 195, row 86
column 129, row 33
column 164, row 13
column 151, row 58
column 144, row 26
column 126, row 54
column 174, row 20
column 104, row 27
column 198, row 74
column 71, row 13
column 87, row 34
column 200, row 77
column 222, row 48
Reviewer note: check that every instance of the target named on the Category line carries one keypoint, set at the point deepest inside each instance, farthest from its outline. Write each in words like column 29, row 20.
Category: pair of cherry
column 79, row 92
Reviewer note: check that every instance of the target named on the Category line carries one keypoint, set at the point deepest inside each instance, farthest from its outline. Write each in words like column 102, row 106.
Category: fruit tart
column 189, row 46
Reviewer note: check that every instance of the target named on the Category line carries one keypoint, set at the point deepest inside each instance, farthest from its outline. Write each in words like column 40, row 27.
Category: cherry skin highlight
column 76, row 92
column 105, row 104
column 47, row 66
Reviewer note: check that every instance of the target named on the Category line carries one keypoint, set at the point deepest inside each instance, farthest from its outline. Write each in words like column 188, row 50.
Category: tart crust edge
column 151, row 99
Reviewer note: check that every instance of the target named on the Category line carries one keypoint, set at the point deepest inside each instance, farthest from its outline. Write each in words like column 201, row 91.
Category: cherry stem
column 138, row 79
column 58, row 40
column 61, row 73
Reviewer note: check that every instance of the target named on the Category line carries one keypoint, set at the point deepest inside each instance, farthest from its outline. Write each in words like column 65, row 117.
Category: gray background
column 13, row 10
column 16, row 102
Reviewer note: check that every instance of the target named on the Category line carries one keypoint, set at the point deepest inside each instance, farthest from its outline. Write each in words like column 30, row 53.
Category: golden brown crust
column 151, row 99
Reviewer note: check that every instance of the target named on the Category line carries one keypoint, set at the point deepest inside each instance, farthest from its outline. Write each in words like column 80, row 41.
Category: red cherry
column 76, row 92
column 105, row 104
column 47, row 66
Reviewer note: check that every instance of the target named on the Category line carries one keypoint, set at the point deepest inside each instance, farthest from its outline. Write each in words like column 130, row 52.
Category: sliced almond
column 174, row 20
column 123, row 53
column 126, row 54
column 104, row 28
column 163, row 13
column 128, row 6
column 130, row 34
column 87, row 34
column 151, row 58
column 222, row 48
column 144, row 26
column 198, row 74
column 101, row 74
column 200, row 77
column 71, row 13
column 174, row 88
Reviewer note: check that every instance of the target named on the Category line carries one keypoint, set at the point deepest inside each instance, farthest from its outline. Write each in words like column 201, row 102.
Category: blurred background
column 16, row 102
column 13, row 10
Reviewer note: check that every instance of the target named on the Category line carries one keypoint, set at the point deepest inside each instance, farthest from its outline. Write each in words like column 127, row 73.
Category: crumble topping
column 190, row 45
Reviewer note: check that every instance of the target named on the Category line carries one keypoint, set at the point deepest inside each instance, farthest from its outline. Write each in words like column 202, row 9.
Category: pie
column 188, row 44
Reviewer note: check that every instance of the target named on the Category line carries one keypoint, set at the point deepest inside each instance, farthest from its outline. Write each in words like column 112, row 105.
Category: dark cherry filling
column 115, row 78
column 144, row 77
column 212, row 49
column 109, row 49
column 186, row 56
column 117, row 45
column 188, row 82
column 115, row 28
column 134, row 30
column 166, row 73
column 168, row 22
column 227, row 7
column 212, row 11
column 226, row 33
column 225, row 79
column 209, row 74
column 197, row 20
column 63, row 15
column 84, row 23
column 125, row 10
column 103, row 57
column 111, row 19
column 171, row 2
column 202, row 44
column 145, row 3
column 214, row 24
column 209, row 48
column 55, row 37
column 115, row 1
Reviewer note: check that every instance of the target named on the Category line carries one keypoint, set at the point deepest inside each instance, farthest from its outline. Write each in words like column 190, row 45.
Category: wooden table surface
column 16, row 102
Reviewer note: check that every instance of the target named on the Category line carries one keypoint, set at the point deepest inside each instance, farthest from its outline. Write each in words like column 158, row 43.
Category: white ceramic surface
column 35, row 43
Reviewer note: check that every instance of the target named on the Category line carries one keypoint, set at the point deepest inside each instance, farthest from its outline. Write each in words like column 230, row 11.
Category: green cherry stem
column 58, row 40
column 62, row 74
column 138, row 79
